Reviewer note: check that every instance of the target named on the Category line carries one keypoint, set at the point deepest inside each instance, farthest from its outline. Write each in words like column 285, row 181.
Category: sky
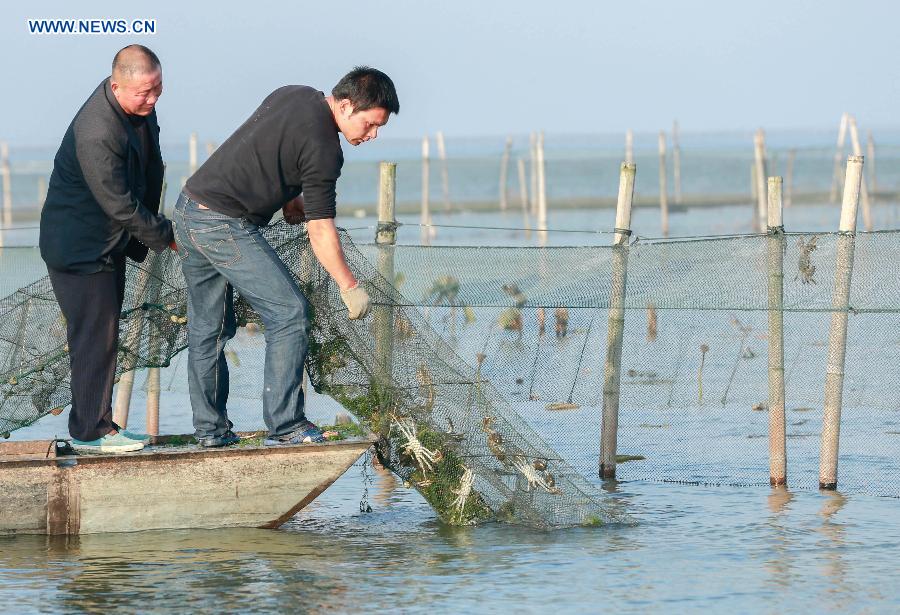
column 476, row 67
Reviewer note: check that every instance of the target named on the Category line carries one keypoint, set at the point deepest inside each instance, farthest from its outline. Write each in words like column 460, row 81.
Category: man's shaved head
column 133, row 61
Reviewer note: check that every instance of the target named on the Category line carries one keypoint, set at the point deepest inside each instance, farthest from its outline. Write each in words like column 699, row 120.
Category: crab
column 415, row 449
column 466, row 482
column 536, row 479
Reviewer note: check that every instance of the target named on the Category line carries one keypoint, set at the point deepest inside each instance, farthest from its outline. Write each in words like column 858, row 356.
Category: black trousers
column 91, row 304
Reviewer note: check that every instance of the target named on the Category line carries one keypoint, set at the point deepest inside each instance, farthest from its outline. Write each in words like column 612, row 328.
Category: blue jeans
column 220, row 254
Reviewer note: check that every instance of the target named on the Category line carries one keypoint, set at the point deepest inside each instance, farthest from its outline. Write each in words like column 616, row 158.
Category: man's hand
column 173, row 245
column 293, row 211
column 357, row 301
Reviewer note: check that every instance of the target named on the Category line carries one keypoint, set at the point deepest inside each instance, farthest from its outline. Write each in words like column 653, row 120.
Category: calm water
column 713, row 549
column 693, row 549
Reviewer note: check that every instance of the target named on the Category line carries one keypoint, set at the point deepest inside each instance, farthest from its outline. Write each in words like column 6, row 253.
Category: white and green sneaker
column 108, row 444
column 138, row 437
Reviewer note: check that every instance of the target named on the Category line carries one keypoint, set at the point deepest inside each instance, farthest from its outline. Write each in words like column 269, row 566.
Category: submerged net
column 482, row 369
column 442, row 427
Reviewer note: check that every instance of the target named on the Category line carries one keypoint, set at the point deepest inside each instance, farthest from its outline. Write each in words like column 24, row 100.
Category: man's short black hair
column 367, row 88
column 134, row 60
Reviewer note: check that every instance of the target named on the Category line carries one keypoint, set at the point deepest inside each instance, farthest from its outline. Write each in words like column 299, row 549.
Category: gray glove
column 357, row 301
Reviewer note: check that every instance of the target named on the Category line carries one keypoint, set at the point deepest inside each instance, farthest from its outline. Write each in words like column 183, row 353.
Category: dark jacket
column 101, row 202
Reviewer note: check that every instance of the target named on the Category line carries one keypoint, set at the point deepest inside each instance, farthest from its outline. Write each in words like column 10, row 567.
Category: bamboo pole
column 210, row 148
column 124, row 388
column 504, row 173
column 6, row 175
column 776, row 244
column 759, row 160
column 616, row 325
column 542, row 191
column 445, row 177
column 789, row 177
column 153, row 376
column 838, row 158
column 870, row 165
column 523, row 197
column 192, row 154
column 676, row 162
column 663, row 187
column 41, row 192
column 532, row 148
column 425, row 218
column 629, row 146
column 864, row 189
column 385, row 237
column 837, row 334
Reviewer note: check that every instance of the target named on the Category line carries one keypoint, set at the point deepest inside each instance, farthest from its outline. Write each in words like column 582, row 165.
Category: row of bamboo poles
column 853, row 187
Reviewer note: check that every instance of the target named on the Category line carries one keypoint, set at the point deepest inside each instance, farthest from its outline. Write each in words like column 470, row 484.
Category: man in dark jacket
column 102, row 205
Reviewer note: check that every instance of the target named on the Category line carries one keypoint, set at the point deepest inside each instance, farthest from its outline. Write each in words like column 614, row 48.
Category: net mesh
column 482, row 368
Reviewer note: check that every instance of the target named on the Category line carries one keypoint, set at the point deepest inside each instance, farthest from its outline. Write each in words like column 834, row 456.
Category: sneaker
column 137, row 437
column 114, row 444
column 226, row 439
column 305, row 433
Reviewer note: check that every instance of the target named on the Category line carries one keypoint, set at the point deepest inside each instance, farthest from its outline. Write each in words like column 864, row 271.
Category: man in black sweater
column 287, row 156
column 102, row 205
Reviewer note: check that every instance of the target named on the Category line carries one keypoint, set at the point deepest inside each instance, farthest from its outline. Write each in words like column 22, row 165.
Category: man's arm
column 327, row 247
column 105, row 173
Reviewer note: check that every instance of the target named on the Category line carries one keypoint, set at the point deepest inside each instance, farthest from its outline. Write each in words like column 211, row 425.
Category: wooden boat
column 165, row 486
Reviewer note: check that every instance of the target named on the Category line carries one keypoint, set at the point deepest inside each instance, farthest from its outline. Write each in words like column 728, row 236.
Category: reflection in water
column 779, row 565
column 399, row 557
column 834, row 567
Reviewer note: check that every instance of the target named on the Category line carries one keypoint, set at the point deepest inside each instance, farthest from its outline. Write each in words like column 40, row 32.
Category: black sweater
column 288, row 146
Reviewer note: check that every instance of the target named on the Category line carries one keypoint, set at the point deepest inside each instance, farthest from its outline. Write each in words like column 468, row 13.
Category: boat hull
column 165, row 488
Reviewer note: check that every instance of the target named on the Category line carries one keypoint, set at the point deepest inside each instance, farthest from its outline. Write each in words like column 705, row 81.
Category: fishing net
column 482, row 369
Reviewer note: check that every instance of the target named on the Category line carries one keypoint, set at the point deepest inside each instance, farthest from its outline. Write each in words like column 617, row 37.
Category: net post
column 838, row 155
column 6, row 174
column 837, row 334
column 616, row 325
column 676, row 162
column 192, row 153
column 663, row 186
column 385, row 237
column 124, row 388
column 445, row 176
column 789, row 177
column 504, row 174
column 776, row 243
column 629, row 145
column 425, row 218
column 759, row 163
column 523, row 197
column 542, row 191
column 863, row 187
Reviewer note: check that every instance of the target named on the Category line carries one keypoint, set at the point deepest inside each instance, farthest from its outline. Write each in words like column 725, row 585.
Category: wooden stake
column 663, row 188
column 864, row 189
column 776, row 244
column 445, row 177
column 532, row 148
column 542, row 191
column 629, row 146
column 425, row 218
column 41, row 192
column 616, row 325
column 523, row 197
column 504, row 171
column 759, row 159
column 676, row 162
column 837, row 335
column 385, row 237
column 210, row 148
column 870, row 165
column 192, row 154
column 6, row 175
column 789, row 177
column 839, row 158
